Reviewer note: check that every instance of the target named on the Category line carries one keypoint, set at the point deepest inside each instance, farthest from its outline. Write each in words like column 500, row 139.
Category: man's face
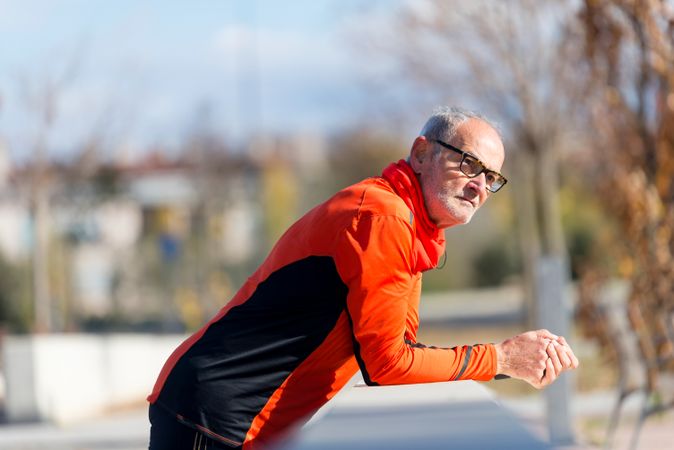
column 451, row 197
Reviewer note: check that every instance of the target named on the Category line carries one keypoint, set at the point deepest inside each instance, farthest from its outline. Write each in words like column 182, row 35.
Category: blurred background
column 152, row 152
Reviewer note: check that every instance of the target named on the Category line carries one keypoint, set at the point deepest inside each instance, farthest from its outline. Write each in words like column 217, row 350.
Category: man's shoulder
column 379, row 199
column 372, row 197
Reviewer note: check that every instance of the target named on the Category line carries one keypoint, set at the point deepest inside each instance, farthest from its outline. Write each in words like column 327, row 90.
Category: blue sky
column 138, row 72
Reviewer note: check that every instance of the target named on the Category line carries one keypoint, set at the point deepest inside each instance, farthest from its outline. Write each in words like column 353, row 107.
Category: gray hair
column 445, row 120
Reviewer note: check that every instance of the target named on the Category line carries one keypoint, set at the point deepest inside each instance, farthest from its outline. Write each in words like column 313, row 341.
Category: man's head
column 451, row 196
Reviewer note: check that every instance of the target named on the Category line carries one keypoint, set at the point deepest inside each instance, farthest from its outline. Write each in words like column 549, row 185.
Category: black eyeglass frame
column 463, row 157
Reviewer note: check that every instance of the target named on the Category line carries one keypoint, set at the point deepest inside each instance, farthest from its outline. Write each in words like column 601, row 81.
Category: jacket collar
column 405, row 183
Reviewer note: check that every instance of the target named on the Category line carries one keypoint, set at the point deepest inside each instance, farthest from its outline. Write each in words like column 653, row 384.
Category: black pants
column 167, row 433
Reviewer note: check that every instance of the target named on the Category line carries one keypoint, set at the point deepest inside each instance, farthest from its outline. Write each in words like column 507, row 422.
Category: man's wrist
column 498, row 359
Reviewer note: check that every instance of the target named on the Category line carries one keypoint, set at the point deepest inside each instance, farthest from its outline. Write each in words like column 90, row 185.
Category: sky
column 141, row 73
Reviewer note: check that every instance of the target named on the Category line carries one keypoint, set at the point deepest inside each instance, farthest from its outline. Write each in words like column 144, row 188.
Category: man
column 339, row 292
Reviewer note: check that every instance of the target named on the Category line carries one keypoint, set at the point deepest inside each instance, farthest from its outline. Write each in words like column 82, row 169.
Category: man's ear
column 420, row 152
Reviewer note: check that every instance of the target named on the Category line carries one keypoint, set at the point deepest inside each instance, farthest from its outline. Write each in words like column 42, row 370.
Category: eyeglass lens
column 472, row 167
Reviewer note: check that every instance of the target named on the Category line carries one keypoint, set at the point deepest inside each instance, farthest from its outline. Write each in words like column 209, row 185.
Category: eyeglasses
column 471, row 167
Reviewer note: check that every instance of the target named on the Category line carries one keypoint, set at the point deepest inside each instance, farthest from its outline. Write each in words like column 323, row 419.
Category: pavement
column 121, row 430
column 129, row 429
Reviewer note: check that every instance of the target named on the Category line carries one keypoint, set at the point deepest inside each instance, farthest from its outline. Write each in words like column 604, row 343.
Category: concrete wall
column 65, row 378
column 431, row 416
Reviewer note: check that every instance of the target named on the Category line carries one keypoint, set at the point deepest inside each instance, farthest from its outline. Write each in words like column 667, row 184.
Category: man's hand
column 537, row 357
column 561, row 355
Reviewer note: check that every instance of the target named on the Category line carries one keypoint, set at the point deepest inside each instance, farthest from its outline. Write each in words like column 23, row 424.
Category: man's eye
column 474, row 164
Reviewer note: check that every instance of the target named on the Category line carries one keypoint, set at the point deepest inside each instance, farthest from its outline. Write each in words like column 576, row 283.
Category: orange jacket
column 339, row 291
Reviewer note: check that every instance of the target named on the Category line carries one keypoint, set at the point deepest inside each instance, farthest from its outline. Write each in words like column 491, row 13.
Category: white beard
column 443, row 203
column 461, row 211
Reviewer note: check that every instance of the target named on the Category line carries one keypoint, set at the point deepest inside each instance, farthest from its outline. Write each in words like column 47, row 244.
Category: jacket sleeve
column 374, row 258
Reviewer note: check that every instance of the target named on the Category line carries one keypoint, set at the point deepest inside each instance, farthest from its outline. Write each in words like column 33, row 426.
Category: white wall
column 15, row 239
column 65, row 378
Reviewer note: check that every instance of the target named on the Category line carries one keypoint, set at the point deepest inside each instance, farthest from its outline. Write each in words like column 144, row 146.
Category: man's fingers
column 564, row 355
column 573, row 361
column 555, row 358
column 572, row 357
column 549, row 373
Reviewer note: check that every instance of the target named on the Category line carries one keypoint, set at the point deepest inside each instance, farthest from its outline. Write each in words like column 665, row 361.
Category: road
column 127, row 430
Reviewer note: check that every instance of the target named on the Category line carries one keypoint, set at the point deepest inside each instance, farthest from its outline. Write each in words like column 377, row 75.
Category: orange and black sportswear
column 338, row 292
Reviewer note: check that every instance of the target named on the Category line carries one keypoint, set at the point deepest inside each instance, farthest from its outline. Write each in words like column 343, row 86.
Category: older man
column 339, row 292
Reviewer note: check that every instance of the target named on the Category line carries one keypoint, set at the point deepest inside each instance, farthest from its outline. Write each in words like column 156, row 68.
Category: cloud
column 279, row 49
column 18, row 16
column 233, row 39
column 146, row 72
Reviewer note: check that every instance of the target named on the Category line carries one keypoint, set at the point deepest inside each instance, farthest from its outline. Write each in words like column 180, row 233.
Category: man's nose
column 479, row 182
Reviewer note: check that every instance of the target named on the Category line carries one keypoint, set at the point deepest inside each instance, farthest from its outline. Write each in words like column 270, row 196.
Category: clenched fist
column 537, row 357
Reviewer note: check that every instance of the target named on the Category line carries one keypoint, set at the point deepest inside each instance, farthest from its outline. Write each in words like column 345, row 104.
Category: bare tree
column 42, row 98
column 512, row 60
